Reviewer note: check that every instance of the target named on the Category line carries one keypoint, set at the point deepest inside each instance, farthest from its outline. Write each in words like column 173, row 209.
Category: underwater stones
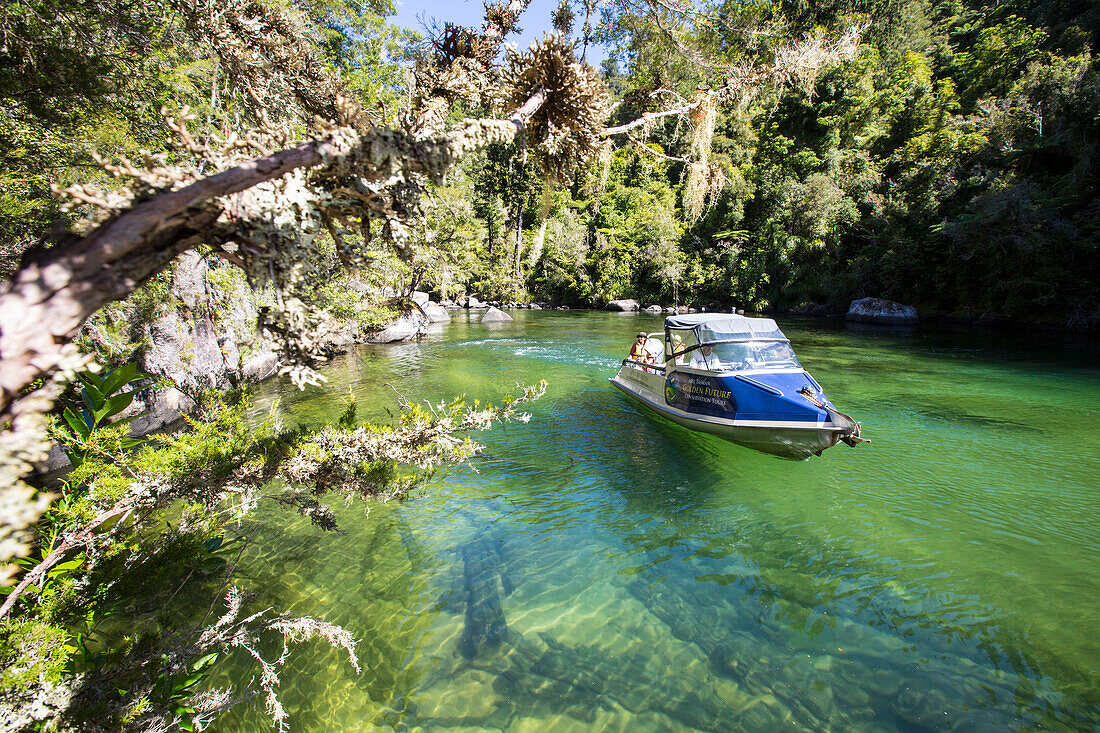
column 852, row 696
column 624, row 306
column 495, row 315
column 878, row 310
column 819, row 700
column 927, row 708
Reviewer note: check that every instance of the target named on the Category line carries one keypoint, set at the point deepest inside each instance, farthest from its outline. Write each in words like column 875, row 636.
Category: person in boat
column 678, row 349
column 638, row 352
column 705, row 358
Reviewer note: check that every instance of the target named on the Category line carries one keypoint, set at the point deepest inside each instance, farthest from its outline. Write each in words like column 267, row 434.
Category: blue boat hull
column 764, row 412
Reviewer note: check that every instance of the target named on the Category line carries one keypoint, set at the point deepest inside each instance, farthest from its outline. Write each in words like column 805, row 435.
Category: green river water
column 944, row 577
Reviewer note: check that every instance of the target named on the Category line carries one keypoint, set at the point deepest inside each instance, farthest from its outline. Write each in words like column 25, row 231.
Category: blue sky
column 535, row 21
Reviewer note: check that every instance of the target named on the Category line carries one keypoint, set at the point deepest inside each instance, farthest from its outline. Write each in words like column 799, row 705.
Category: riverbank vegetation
column 950, row 163
column 327, row 164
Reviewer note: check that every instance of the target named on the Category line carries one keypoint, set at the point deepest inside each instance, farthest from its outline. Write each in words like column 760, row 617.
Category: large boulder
column 878, row 310
column 421, row 299
column 410, row 325
column 653, row 309
column 436, row 313
column 495, row 315
column 261, row 365
column 624, row 306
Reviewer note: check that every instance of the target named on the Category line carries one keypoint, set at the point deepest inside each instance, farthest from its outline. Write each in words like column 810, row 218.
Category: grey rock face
column 261, row 365
column 420, row 298
column 495, row 315
column 624, row 306
column 653, row 309
column 878, row 310
column 436, row 313
column 410, row 325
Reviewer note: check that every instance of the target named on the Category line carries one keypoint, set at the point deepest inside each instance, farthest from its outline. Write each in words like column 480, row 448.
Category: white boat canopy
column 722, row 327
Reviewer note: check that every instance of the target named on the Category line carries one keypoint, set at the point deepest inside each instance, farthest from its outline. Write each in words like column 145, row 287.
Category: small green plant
column 173, row 691
column 102, row 399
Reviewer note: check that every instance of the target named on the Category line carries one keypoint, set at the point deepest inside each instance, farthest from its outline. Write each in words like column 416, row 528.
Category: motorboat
column 738, row 378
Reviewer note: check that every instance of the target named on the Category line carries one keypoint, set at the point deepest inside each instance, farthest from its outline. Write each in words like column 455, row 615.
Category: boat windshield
column 755, row 355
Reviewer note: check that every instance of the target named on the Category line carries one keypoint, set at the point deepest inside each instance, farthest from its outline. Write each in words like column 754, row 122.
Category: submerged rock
column 495, row 315
column 878, row 310
column 624, row 306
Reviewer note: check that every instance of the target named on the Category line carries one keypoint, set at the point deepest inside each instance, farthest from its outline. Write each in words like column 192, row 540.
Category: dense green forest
column 764, row 155
column 950, row 164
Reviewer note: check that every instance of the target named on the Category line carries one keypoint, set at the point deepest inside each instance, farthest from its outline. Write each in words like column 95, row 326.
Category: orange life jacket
column 638, row 352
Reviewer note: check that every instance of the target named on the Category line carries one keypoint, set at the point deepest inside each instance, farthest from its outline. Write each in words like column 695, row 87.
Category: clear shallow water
column 946, row 576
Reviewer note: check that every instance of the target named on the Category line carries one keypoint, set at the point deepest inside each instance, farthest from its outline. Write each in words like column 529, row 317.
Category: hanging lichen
column 566, row 129
column 700, row 176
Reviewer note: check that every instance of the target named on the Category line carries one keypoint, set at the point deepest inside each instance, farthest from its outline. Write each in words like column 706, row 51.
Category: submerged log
column 483, row 578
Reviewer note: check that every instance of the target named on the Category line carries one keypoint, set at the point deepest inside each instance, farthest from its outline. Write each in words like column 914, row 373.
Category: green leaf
column 89, row 407
column 75, row 457
column 91, row 391
column 76, row 422
column 65, row 567
column 204, row 661
column 115, row 379
column 190, row 681
column 116, row 404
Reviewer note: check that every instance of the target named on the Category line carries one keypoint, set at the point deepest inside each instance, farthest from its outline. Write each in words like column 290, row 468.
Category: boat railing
column 644, row 366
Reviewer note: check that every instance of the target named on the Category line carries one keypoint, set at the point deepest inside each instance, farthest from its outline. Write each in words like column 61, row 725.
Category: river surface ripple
column 601, row 569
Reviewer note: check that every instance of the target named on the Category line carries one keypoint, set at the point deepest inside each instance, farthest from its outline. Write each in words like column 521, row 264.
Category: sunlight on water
column 602, row 569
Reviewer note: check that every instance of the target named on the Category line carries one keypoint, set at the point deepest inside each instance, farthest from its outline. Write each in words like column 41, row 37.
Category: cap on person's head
column 641, row 334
